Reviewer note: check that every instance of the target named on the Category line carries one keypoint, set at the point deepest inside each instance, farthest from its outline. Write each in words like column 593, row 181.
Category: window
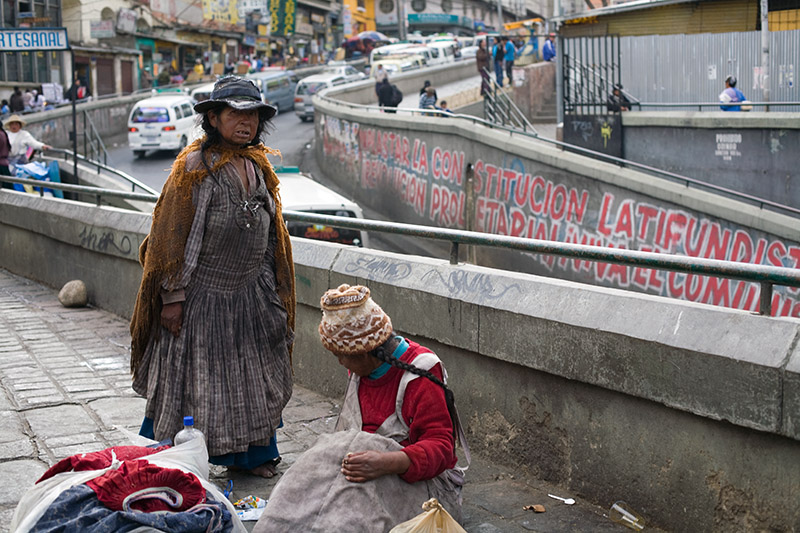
column 418, row 5
column 187, row 110
column 447, row 6
column 150, row 114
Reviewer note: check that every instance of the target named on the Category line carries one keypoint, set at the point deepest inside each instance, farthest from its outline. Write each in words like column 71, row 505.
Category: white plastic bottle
column 188, row 432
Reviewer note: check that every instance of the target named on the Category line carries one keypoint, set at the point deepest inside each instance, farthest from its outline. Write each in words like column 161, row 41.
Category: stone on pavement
column 73, row 294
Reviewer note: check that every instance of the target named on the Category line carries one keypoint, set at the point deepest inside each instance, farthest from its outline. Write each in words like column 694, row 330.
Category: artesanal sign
column 33, row 39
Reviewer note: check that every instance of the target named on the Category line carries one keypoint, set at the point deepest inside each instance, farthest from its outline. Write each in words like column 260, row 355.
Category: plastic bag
column 433, row 519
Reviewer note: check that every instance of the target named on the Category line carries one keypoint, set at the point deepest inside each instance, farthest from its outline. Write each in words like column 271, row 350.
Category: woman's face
column 362, row 364
column 237, row 127
column 14, row 127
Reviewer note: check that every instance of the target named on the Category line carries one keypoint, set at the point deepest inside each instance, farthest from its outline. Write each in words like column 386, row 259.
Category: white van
column 308, row 87
column 381, row 52
column 161, row 123
column 445, row 51
column 429, row 56
column 277, row 87
column 299, row 192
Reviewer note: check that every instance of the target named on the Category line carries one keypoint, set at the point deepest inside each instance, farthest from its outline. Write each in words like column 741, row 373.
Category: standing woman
column 212, row 329
column 482, row 62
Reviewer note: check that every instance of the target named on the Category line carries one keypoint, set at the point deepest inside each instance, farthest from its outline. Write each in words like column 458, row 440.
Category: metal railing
column 102, row 167
column 766, row 276
column 97, row 192
column 93, row 146
column 701, row 105
column 761, row 203
column 499, row 108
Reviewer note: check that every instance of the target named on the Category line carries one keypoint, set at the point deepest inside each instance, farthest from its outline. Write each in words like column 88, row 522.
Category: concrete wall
column 754, row 153
column 690, row 413
column 534, row 91
column 421, row 170
column 109, row 116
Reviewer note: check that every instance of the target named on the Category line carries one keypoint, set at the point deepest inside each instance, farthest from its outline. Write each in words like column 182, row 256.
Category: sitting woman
column 22, row 142
column 395, row 442
column 428, row 99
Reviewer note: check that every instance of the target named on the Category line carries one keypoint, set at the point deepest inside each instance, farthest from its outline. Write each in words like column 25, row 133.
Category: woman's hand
column 368, row 465
column 172, row 317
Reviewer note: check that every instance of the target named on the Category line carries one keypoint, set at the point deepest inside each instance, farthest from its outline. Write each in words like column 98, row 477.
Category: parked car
column 308, row 87
column 346, row 71
column 299, row 192
column 277, row 87
column 161, row 123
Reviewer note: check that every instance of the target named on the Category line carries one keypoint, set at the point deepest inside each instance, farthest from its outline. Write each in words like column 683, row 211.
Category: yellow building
column 362, row 15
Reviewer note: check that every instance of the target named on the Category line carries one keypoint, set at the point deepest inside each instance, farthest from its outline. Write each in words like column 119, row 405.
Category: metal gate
column 590, row 68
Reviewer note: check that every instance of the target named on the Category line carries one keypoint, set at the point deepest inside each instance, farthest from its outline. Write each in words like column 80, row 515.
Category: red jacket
column 430, row 445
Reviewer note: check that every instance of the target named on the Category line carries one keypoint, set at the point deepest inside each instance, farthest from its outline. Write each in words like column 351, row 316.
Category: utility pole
column 559, row 66
column 401, row 20
column 499, row 16
column 765, row 52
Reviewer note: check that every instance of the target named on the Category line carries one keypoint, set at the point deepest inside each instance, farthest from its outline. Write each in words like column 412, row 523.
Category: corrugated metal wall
column 692, row 68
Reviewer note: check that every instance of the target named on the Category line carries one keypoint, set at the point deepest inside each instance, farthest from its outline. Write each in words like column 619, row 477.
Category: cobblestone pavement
column 65, row 389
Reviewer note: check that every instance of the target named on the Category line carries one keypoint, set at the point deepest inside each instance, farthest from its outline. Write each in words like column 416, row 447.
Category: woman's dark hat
column 237, row 93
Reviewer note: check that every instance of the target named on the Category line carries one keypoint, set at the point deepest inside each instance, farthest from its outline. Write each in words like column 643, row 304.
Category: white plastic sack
column 191, row 456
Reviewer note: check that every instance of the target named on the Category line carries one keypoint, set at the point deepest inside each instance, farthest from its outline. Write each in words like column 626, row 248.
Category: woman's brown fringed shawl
column 162, row 251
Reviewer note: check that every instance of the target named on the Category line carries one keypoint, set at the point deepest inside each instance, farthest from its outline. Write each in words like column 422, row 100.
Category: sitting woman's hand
column 364, row 466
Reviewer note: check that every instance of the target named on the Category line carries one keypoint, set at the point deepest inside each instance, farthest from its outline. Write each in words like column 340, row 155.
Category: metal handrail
column 767, row 276
column 94, row 137
column 100, row 166
column 701, row 105
column 623, row 163
column 97, row 192
column 499, row 99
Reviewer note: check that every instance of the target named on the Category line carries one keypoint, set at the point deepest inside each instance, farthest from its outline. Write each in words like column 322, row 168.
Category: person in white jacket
column 20, row 139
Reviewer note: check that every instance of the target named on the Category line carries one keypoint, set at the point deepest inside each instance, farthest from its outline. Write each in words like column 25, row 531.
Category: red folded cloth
column 98, row 460
column 140, row 486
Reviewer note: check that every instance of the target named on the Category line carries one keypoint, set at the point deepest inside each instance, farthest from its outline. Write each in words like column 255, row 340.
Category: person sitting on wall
column 617, row 101
column 731, row 95
column 22, row 142
column 428, row 100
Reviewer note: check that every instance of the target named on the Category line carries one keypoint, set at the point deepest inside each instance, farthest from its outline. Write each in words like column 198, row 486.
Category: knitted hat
column 352, row 323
